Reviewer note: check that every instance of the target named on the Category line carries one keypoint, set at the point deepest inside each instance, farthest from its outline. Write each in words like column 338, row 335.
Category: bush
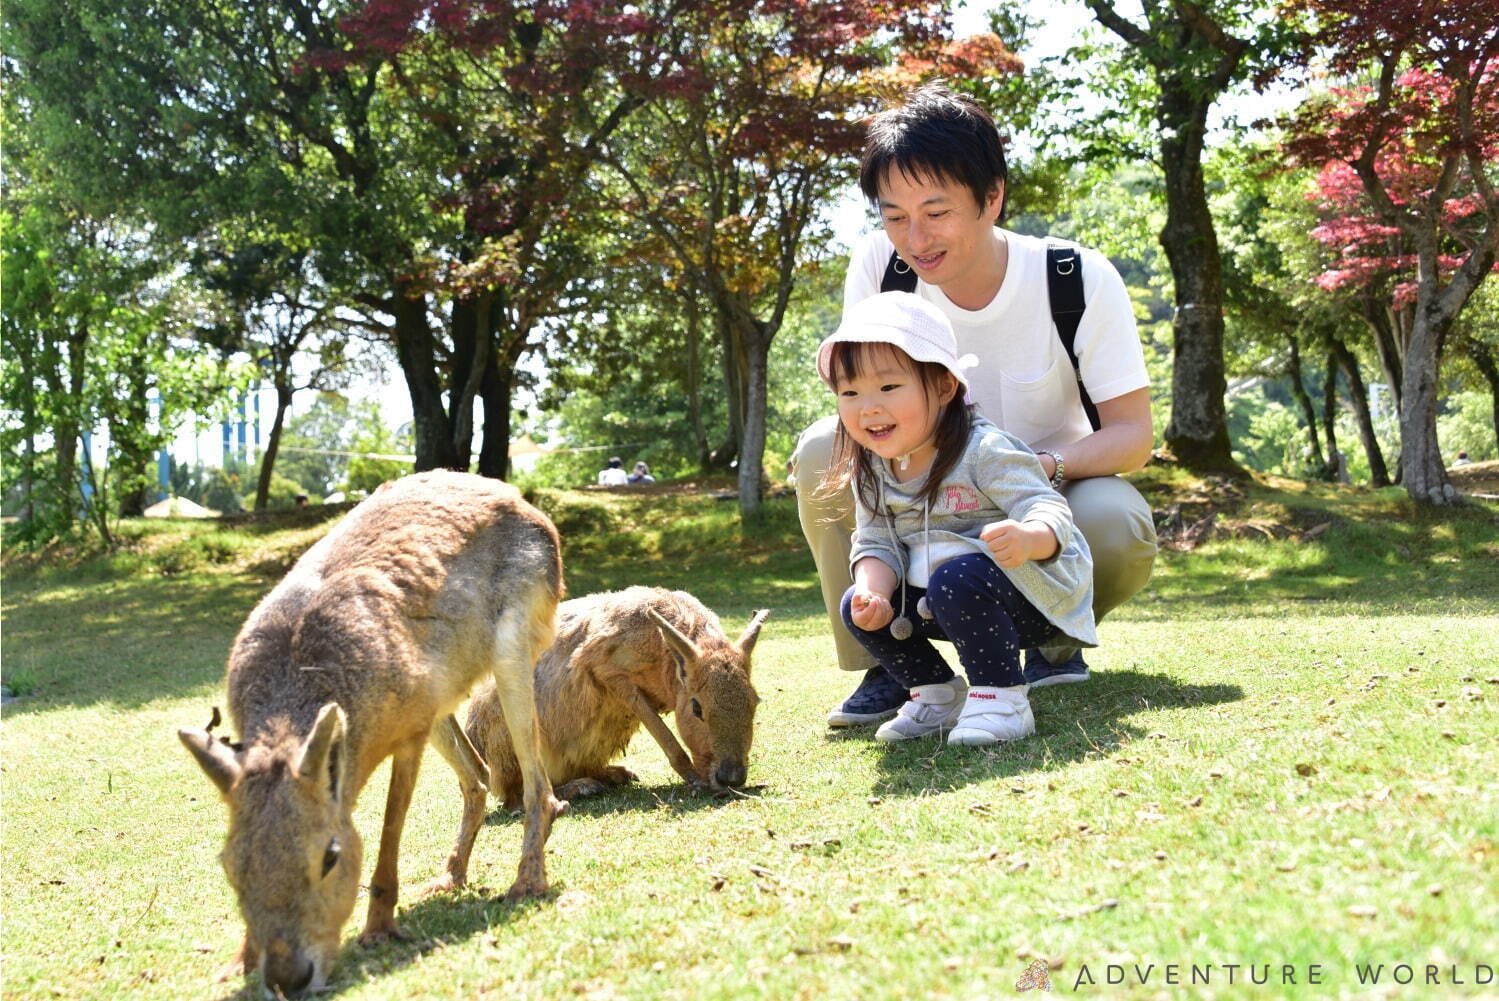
column 284, row 493
column 222, row 490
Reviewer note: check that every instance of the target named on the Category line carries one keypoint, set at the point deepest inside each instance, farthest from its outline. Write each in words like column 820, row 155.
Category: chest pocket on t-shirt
column 1036, row 409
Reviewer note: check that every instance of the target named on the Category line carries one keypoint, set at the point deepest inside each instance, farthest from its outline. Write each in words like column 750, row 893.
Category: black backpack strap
column 899, row 276
column 1064, row 286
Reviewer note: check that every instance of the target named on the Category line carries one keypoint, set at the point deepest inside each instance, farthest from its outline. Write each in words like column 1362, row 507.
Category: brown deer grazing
column 381, row 629
column 620, row 660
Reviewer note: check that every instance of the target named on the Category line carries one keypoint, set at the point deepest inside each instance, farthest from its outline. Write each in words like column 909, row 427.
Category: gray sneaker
column 931, row 709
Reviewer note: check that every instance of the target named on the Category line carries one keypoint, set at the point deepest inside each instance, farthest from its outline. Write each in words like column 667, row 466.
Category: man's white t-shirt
column 1024, row 381
column 613, row 477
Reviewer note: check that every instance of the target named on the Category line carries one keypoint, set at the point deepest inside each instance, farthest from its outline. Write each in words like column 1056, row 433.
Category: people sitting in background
column 613, row 475
column 1462, row 459
column 641, row 474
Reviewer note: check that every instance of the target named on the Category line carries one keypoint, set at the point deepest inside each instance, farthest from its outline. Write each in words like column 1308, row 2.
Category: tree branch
column 1125, row 29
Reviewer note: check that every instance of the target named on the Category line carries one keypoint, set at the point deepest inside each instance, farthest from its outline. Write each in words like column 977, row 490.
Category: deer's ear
column 752, row 632
column 217, row 760
column 321, row 756
column 674, row 639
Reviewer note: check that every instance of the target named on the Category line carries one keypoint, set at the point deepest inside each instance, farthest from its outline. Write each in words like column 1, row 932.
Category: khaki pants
column 1111, row 514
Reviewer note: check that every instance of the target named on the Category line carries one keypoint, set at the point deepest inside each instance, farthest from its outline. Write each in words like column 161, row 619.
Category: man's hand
column 1014, row 543
column 870, row 611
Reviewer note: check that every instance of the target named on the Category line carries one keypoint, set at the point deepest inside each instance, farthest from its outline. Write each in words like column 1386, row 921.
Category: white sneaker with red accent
column 931, row 709
column 993, row 716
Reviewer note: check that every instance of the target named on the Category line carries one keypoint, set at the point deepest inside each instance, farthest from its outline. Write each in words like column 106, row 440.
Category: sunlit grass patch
column 1286, row 755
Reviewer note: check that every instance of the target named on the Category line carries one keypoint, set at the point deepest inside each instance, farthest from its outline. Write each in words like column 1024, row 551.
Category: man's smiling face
column 940, row 231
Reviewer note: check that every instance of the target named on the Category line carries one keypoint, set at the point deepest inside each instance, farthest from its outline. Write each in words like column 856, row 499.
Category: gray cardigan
column 997, row 477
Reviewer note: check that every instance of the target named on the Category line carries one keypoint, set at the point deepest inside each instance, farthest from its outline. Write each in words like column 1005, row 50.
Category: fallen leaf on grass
column 1363, row 911
column 1305, row 770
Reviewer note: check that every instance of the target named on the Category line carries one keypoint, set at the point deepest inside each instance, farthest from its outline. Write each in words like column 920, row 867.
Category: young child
column 959, row 537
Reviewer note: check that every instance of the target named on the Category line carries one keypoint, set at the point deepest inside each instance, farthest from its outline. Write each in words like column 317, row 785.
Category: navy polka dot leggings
column 976, row 608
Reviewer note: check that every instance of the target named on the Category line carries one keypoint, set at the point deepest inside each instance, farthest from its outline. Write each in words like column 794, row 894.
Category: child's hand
column 870, row 611
column 1014, row 543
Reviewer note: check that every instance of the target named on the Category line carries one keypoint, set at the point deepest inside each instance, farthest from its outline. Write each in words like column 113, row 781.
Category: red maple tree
column 1406, row 174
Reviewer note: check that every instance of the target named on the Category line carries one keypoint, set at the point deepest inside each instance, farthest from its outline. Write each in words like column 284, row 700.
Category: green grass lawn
column 1288, row 755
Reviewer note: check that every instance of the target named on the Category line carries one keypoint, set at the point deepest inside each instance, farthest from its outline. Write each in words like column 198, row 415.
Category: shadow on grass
column 442, row 919
column 1072, row 723
column 428, row 925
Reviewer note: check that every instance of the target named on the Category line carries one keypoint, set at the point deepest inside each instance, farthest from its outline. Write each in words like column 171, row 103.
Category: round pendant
column 923, row 609
column 901, row 628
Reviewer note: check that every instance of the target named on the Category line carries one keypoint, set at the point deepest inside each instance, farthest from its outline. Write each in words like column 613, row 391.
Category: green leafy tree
column 91, row 335
column 726, row 170
column 281, row 316
column 1162, row 75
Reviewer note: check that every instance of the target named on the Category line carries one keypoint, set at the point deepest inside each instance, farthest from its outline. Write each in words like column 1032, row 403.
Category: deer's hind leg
column 473, row 780
column 525, row 629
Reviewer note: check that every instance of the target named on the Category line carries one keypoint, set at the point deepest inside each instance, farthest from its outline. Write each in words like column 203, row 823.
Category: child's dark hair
column 936, row 133
column 853, row 464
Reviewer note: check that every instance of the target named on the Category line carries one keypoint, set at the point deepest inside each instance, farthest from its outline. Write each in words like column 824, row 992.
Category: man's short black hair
column 936, row 133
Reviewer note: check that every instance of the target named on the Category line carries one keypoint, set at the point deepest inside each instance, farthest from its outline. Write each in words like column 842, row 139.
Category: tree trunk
column 695, row 379
column 474, row 338
column 1197, row 433
column 417, row 354
column 273, row 441
column 1335, row 464
column 499, row 382
column 1379, row 476
column 131, row 460
column 22, row 351
column 1376, row 313
column 752, row 444
column 1422, row 472
column 69, row 428
column 735, row 384
column 1298, row 390
column 723, row 456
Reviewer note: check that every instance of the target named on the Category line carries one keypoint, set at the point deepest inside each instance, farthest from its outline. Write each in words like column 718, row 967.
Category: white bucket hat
column 903, row 320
